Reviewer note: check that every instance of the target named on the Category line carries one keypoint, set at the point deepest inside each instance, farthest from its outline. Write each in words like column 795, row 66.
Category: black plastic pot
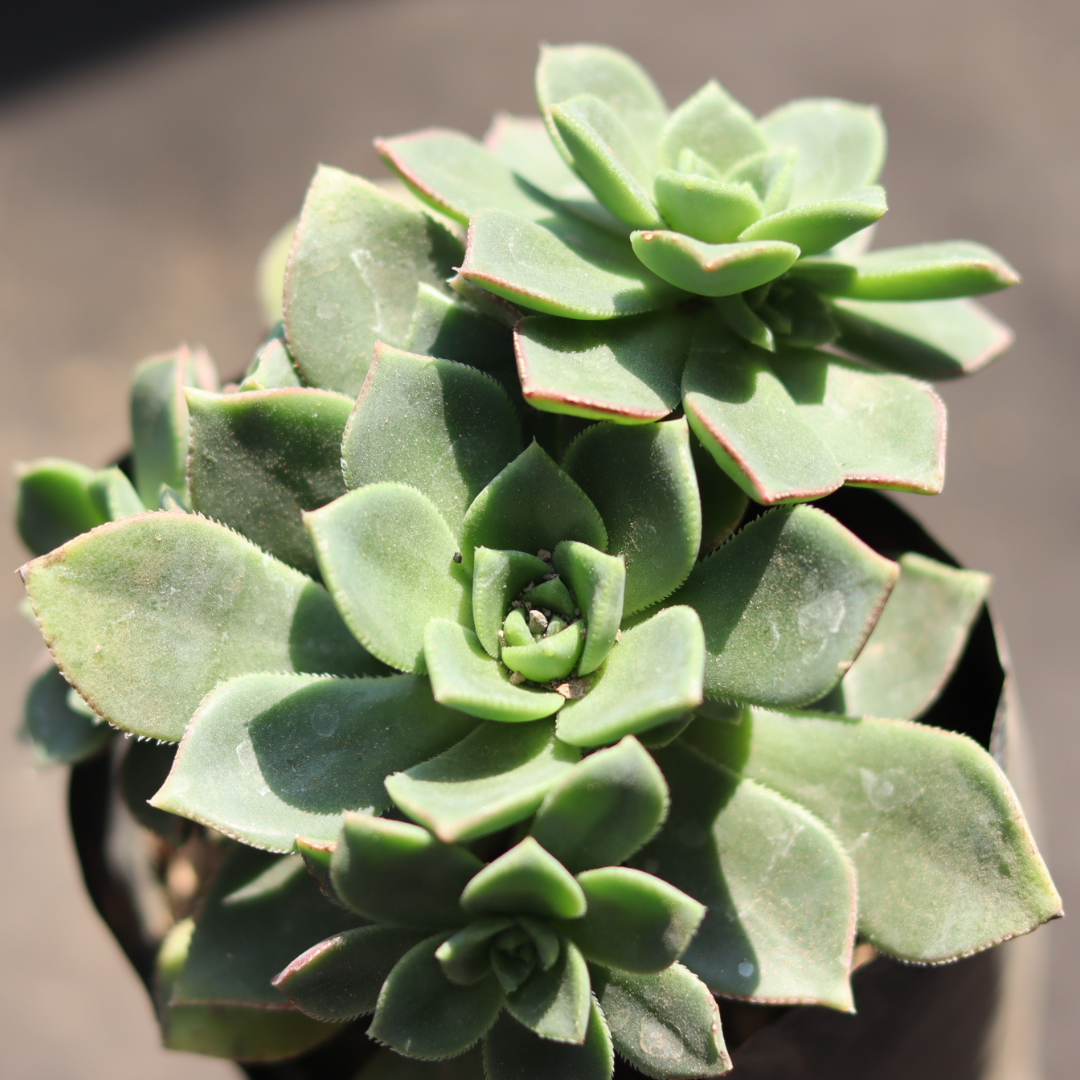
column 971, row 1020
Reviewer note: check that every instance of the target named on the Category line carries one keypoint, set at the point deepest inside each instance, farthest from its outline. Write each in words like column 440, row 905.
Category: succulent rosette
column 458, row 601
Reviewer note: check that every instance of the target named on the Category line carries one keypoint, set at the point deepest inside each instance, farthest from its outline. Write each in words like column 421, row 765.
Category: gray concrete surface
column 134, row 200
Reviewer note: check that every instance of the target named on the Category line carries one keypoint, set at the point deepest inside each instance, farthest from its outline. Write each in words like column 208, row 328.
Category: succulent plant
column 508, row 714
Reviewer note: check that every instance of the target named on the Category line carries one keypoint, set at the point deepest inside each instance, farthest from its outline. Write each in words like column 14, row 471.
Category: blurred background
column 148, row 151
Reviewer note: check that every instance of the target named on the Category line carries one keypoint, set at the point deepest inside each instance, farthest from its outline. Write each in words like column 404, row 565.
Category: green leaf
column 513, row 1052
column 779, row 888
column 940, row 271
column 387, row 557
column 435, row 425
column 340, row 978
column 931, row 339
column 378, row 864
column 712, row 269
column 606, row 156
column 598, row 582
column 556, row 1003
column 55, row 503
column 317, row 856
column 498, row 578
column 268, row 758
column 457, row 176
column 786, row 605
column 114, row 495
column 723, row 503
column 740, row 318
column 496, row 776
column 635, row 921
column 357, row 258
column 798, row 314
column 565, row 71
column 569, row 268
column 654, row 674
column 60, row 736
column 465, row 956
column 917, row 642
column 526, row 880
column 626, row 370
column 816, row 227
column 424, row 1015
column 771, row 173
column 713, row 125
column 453, row 329
column 531, row 505
column 272, row 368
column 261, row 912
column 236, row 1032
column 945, row 862
column 554, row 596
column 642, row 481
column 270, row 274
column 143, row 770
column 260, row 459
column 603, row 809
column 159, row 418
column 464, row 677
column 666, row 1025
column 147, row 615
column 552, row 656
column 710, row 210
column 840, row 145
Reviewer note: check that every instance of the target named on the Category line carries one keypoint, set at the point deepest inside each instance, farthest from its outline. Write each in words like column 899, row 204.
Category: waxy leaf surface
column 496, row 776
column 268, row 758
column 55, row 503
column 816, row 227
column 513, row 1052
column 945, row 862
column 715, row 127
column 526, row 880
column 710, row 210
column 556, row 1003
column 786, row 605
column 260, row 459
column 60, row 736
column 598, row 582
column 451, row 328
column 498, row 578
column 148, row 614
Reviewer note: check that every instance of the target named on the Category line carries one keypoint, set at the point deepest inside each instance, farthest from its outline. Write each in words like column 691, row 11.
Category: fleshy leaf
column 930, row 339
column 771, row 173
column 840, row 145
column 626, row 370
column 642, row 480
column 565, row 71
column 496, row 776
column 464, row 677
column 498, row 578
column 531, row 505
column 937, row 271
column 317, row 856
column 605, row 154
column 387, row 557
column 459, row 177
column 272, row 368
column 396, row 873
column 570, row 268
column 55, row 503
column 340, row 978
column 261, row 912
column 146, row 615
column 552, row 656
column 268, row 758
column 449, row 327
column 816, row 227
column 723, row 502
column 654, row 674
column 598, row 582
column 786, row 605
column 60, row 736
column 945, row 862
column 270, row 273
column 916, row 643
column 778, row 886
column 258, row 460
column 438, row 426
column 707, row 209
column 114, row 494
column 422, row 1014
column 666, row 1025
column 556, row 1003
column 554, row 596
column 513, row 1052
column 713, row 125
column 356, row 260
column 143, row 770
column 635, row 921
column 603, row 809
column 526, row 880
column 465, row 956
column 159, row 418
column 712, row 269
